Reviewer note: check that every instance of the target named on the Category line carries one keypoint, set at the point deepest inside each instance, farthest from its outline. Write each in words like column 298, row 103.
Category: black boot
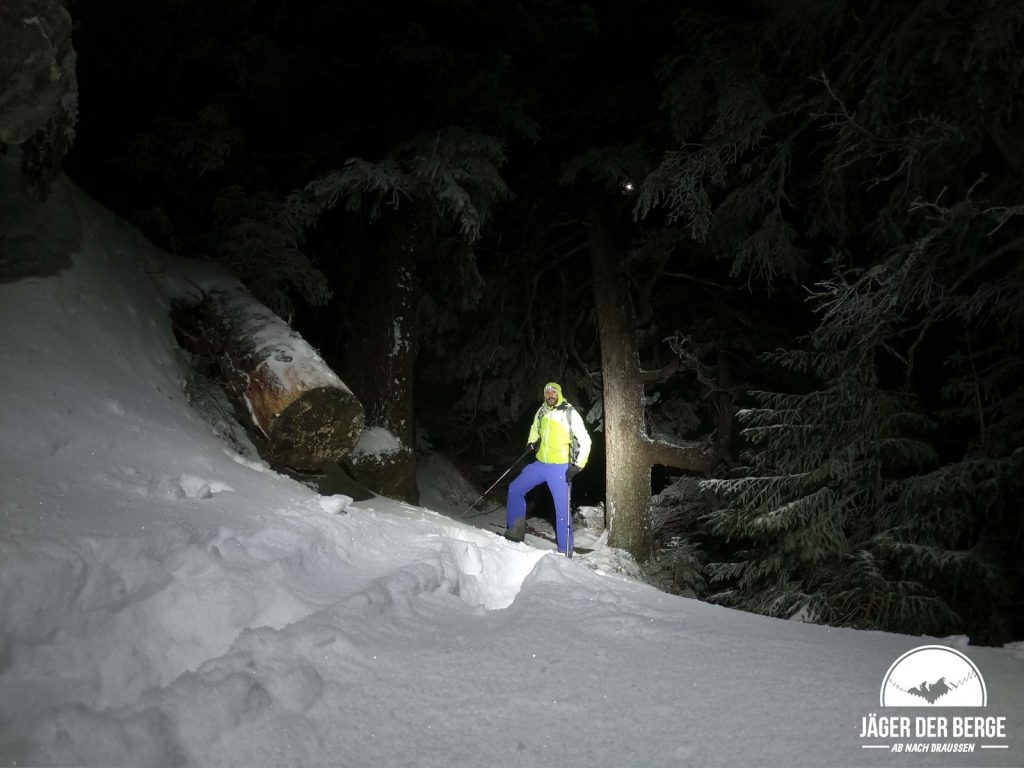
column 518, row 531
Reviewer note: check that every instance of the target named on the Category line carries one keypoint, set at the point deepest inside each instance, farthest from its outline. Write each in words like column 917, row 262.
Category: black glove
column 571, row 471
column 531, row 447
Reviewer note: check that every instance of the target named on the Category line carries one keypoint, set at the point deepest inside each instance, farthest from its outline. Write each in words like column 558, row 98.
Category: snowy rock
column 382, row 463
column 38, row 86
column 592, row 518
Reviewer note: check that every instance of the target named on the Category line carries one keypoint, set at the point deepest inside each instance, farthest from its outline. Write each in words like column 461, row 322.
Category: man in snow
column 562, row 446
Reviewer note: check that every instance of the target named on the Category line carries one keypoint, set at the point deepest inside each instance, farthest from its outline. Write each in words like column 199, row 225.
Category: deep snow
column 165, row 600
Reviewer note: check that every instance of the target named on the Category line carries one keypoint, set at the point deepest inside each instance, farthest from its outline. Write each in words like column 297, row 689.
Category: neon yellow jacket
column 554, row 428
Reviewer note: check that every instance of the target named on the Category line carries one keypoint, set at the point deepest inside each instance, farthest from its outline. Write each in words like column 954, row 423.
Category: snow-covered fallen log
column 308, row 415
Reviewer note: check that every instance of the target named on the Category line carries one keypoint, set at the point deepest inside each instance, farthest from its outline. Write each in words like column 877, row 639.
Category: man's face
column 550, row 396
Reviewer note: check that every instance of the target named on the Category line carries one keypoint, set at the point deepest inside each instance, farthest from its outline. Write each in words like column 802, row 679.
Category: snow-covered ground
column 165, row 600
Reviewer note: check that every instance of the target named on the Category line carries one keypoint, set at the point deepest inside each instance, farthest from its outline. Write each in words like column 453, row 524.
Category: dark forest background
column 806, row 214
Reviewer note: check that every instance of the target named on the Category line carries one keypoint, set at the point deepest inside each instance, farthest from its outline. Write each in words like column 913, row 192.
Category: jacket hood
column 558, row 388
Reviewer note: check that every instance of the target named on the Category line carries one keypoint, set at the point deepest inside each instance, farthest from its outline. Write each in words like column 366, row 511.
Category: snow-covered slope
column 167, row 601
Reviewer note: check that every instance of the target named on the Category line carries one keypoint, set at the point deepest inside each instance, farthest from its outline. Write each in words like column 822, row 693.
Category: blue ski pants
column 534, row 474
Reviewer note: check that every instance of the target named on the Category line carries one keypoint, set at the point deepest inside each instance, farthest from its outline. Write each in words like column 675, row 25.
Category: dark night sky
column 344, row 79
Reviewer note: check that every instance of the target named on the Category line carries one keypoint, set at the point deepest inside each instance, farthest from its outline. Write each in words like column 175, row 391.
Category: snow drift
column 166, row 599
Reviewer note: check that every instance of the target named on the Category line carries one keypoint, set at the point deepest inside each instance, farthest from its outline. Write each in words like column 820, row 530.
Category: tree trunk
column 628, row 470
column 629, row 452
column 308, row 415
column 380, row 357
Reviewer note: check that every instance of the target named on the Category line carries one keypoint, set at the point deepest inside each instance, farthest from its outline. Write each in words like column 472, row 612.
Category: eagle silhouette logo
column 933, row 675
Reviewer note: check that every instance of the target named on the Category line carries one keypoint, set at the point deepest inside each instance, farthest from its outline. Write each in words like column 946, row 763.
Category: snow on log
column 308, row 415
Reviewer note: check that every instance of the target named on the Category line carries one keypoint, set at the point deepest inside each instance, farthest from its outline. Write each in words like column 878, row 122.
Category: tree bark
column 629, row 451
column 308, row 415
column 627, row 467
column 380, row 358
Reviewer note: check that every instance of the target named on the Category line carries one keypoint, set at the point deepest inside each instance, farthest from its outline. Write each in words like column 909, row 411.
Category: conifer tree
column 873, row 155
column 447, row 178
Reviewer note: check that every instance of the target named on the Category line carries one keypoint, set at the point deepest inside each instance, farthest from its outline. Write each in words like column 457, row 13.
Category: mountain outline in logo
column 933, row 676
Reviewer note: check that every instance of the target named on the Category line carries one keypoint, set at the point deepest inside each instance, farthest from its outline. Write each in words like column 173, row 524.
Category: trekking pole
column 568, row 520
column 527, row 451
